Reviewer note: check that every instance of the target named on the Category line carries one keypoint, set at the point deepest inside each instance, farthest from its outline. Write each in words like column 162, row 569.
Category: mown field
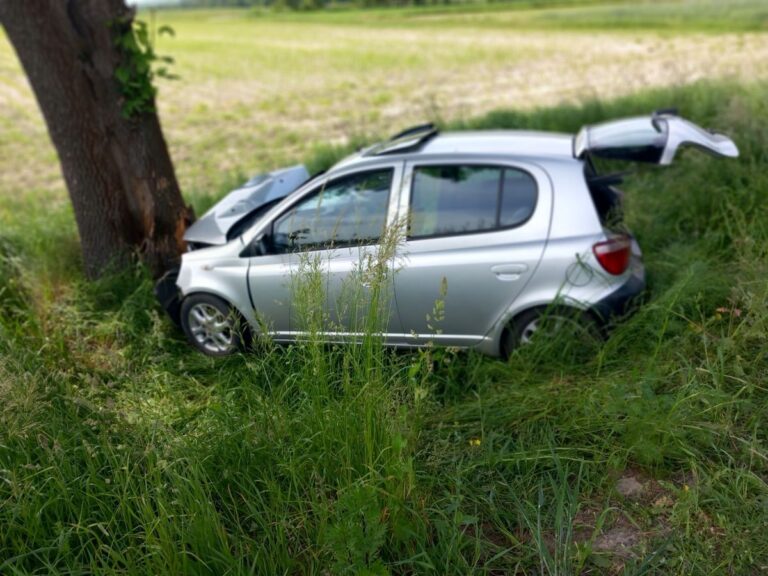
column 122, row 451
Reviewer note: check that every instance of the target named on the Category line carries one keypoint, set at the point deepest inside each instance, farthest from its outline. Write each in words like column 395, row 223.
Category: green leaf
column 467, row 519
column 142, row 34
column 122, row 74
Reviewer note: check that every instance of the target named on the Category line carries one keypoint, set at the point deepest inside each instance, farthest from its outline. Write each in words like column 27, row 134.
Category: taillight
column 614, row 254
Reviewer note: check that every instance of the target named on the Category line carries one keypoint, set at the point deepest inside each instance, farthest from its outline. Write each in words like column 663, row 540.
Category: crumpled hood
column 262, row 189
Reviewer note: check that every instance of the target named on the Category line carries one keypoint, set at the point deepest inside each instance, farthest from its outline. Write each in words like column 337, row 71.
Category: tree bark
column 117, row 170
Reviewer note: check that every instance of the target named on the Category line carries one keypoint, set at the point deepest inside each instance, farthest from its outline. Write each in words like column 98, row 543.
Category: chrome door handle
column 509, row 272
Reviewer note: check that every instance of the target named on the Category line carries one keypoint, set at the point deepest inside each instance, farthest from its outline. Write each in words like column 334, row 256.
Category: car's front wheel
column 212, row 325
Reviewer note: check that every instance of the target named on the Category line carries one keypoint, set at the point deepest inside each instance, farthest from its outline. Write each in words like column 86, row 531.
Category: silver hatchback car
column 500, row 227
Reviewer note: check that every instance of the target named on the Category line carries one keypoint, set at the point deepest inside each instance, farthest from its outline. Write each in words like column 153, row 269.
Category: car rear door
column 476, row 233
column 651, row 139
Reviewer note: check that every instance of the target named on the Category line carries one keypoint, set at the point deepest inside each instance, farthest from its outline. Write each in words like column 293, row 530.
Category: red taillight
column 613, row 254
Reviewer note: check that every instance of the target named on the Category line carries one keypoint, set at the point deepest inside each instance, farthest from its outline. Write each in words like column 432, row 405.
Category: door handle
column 509, row 272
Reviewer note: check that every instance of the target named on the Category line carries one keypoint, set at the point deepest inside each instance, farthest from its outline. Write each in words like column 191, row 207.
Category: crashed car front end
column 228, row 219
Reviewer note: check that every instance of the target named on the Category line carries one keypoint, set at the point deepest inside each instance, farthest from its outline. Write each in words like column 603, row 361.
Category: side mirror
column 261, row 245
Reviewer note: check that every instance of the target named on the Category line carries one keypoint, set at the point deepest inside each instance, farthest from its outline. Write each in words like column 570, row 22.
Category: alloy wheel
column 211, row 329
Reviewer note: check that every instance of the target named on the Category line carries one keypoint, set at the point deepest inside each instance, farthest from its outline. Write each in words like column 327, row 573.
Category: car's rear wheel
column 212, row 325
column 549, row 323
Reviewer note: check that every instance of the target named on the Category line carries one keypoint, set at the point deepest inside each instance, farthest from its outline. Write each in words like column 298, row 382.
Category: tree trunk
column 117, row 170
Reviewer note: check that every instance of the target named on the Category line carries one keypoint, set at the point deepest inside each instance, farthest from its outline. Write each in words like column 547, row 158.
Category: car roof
column 529, row 144
column 515, row 142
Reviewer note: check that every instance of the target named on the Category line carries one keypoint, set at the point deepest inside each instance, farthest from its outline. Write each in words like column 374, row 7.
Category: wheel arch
column 568, row 305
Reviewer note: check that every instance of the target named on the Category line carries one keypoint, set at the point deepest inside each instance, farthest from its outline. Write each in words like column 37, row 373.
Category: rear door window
column 463, row 199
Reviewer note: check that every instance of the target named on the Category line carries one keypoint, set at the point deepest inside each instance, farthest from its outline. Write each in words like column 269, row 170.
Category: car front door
column 476, row 234
column 311, row 273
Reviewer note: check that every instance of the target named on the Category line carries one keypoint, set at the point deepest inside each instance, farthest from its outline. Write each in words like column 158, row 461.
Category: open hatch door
column 651, row 139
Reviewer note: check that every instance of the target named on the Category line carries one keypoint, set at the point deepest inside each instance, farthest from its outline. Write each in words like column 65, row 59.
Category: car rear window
column 462, row 199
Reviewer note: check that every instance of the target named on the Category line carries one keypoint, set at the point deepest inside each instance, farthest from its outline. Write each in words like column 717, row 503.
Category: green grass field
column 672, row 15
column 258, row 92
column 122, row 451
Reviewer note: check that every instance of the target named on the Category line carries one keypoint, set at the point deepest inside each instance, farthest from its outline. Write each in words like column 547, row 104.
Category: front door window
column 350, row 211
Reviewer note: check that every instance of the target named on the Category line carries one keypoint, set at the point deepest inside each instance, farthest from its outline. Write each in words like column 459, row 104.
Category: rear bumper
column 167, row 293
column 619, row 302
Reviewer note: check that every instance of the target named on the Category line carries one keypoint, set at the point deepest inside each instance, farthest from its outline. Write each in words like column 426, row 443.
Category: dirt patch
column 634, row 519
column 630, row 487
column 619, row 541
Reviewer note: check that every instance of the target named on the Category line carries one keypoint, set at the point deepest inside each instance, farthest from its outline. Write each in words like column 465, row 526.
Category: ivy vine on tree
column 136, row 74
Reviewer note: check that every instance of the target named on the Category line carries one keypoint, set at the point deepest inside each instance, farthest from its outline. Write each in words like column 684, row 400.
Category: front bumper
column 167, row 293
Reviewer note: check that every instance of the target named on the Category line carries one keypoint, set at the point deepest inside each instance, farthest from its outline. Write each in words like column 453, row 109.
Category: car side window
column 518, row 198
column 462, row 199
column 351, row 210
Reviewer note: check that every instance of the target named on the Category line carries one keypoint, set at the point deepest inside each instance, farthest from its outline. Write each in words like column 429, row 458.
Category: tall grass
column 124, row 451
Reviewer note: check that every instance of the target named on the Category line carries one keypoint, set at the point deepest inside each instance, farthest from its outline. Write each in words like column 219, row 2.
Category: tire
column 212, row 325
column 556, row 321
